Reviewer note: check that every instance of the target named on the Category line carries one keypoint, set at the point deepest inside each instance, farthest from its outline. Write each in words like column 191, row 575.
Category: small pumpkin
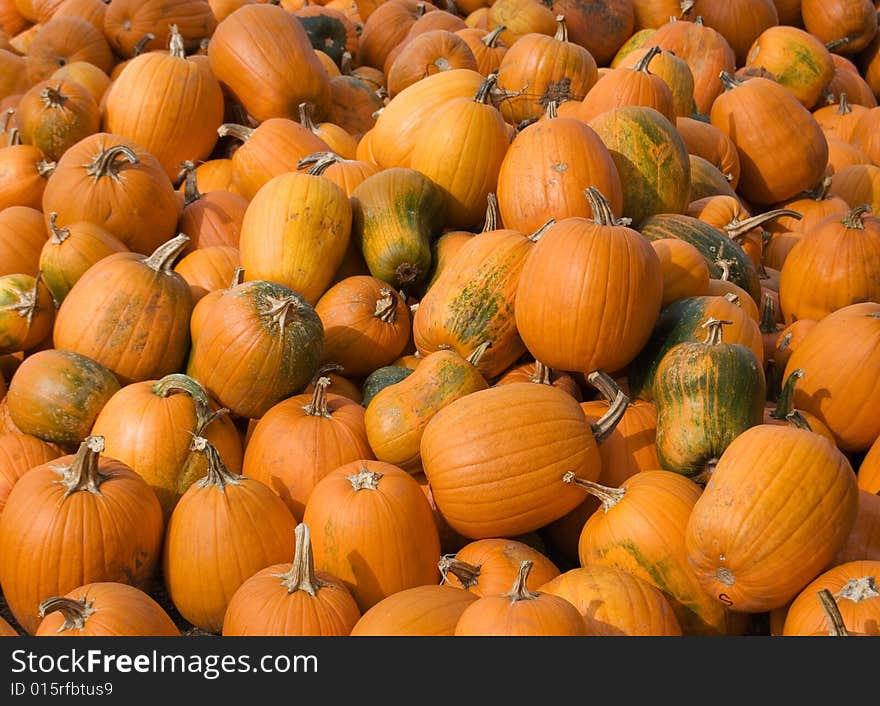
column 26, row 312
column 24, row 170
column 420, row 611
column 54, row 114
column 18, row 454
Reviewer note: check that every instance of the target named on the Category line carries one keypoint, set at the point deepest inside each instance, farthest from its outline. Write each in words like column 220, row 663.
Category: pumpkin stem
column 477, row 353
column 836, row 626
column 729, row 81
column 724, row 266
column 386, row 306
column 142, row 44
column 218, row 475
column 491, row 222
column 490, row 40
column 602, row 213
column 106, row 164
column 163, row 257
column 365, row 479
column 192, row 388
column 305, row 117
column 318, row 406
column 737, row 228
column 237, row 277
column 467, row 574
column 59, row 235
column 617, row 400
column 858, row 590
column 320, row 162
column 407, row 272
column 420, row 10
column 325, row 370
column 13, row 137
column 191, row 191
column 714, row 329
column 798, row 420
column 302, row 576
column 541, row 375
column 853, row 219
column 83, row 473
column 609, row 497
column 642, row 64
column 536, row 236
column 7, row 118
column 75, row 612
column 686, row 6
column 561, row 29
column 484, row 92
column 45, row 168
column 843, row 107
column 175, row 44
column 785, row 402
column 552, row 110
column 784, row 342
column 768, row 315
column 279, row 308
column 520, row 592
column 239, row 132
column 53, row 98
column 835, row 43
column 28, row 301
column 820, row 192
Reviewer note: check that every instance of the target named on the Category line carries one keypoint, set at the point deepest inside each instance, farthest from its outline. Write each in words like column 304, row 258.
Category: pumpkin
column 840, row 120
column 387, row 26
column 292, row 599
column 614, row 602
column 539, row 374
column 54, row 114
column 64, row 40
column 13, row 78
column 674, row 72
column 799, row 493
column 419, row 611
column 600, row 26
column 869, row 470
column 130, row 313
column 521, row 17
column 847, row 79
column 18, row 454
column 789, row 340
column 814, row 205
column 149, row 426
column 104, row 609
column 707, row 180
column 298, row 441
column 739, row 22
column 226, row 511
column 113, row 182
column 91, row 10
column 546, row 169
column 381, row 378
column 695, row 424
column 843, row 154
column 863, row 541
column 251, row 51
column 709, row 142
column 602, row 327
column 372, row 514
column 168, row 104
column 685, row 271
column 24, row 170
column 858, row 184
column 428, row 22
column 208, row 268
column 113, row 529
column 26, row 312
column 346, row 173
column 651, row 159
column 257, row 343
column 6, row 630
column 505, row 478
column 329, row 30
column 128, row 21
column 651, row 14
column 22, row 236
column 426, row 54
column 366, row 324
column 56, row 395
column 640, row 529
column 397, row 414
column 847, row 26
column 295, row 232
column 489, row 566
column 863, row 138
column 487, row 47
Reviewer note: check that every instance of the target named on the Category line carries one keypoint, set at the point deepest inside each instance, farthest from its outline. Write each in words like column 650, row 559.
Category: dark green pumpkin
column 707, row 180
column 707, row 393
column 381, row 378
column 327, row 34
column 397, row 214
column 713, row 244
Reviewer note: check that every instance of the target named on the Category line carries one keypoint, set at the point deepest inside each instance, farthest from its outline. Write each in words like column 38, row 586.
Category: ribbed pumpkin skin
column 707, row 141
column 546, row 169
column 21, row 295
column 614, row 602
column 422, row 611
column 644, row 535
column 588, row 296
column 544, row 614
column 250, row 54
column 21, row 183
column 869, row 470
column 651, row 159
column 249, row 357
column 295, row 232
column 707, row 394
column 56, row 113
column 778, row 506
column 472, row 302
column 169, row 105
column 830, row 388
column 498, row 561
column 65, row 40
column 208, row 268
column 18, row 454
column 863, row 541
column 503, row 476
column 120, row 611
column 129, row 20
column 378, row 539
column 397, row 415
column 113, row 535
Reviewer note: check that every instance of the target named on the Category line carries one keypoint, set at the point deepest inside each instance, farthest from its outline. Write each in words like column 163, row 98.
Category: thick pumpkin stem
column 858, row 590
column 477, row 353
column 853, row 219
column 142, row 44
column 191, row 191
column 839, row 42
column 192, row 388
column 724, row 266
column 737, row 228
column 218, row 475
column 365, row 479
column 107, row 163
column 239, row 132
column 53, row 98
column 491, row 222
column 768, row 315
column 176, row 47
column 642, row 64
column 484, row 92
column 617, row 400
column 163, row 257
column 28, row 301
column 520, row 591
column 542, row 375
column 836, row 626
column 820, row 192
column 602, row 213
column 798, row 420
column 467, row 574
column 302, row 576
column 552, row 110
column 561, row 29
column 59, row 235
column 279, row 309
column 13, row 137
column 729, row 81
column 320, row 162
column 538, row 234
column 75, row 612
column 609, row 497
column 83, row 473
column 491, row 39
column 45, row 168
column 318, row 406
column 386, row 306
column 843, row 107
column 714, row 328
column 305, row 118
column 237, row 277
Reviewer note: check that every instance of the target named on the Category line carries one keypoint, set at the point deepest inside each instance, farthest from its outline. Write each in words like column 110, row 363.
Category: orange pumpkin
column 421, row 611
column 209, row 268
column 26, row 312
column 24, row 170
column 54, row 114
column 128, row 21
column 18, row 454
column 863, row 541
column 427, row 54
column 869, row 469
column 64, row 40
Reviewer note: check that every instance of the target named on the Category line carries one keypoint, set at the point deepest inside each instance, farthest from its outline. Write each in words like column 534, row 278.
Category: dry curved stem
column 833, row 618
column 218, row 475
column 176, row 47
column 714, row 328
column 798, row 420
column 325, row 370
column 858, row 590
column 468, row 575
column 642, row 64
column 484, row 91
column 53, row 98
column 13, row 137
column 541, row 375
column 365, row 479
column 83, row 473
column 476, row 355
column 237, row 277
column 729, row 81
column 738, row 228
column 552, row 110
column 492, row 215
column 853, row 219
column 239, row 132
column 837, row 43
column 305, row 117
column 843, row 107
column 386, row 306
column 45, row 168
column 28, row 302
column 319, row 161
column 302, row 575
column 162, row 259
column 346, row 62
column 724, row 266
column 536, row 236
column 561, row 29
column 520, row 591
column 317, row 407
column 785, row 402
column 602, row 213
column 768, row 315
column 142, row 44
column 279, row 309
column 617, row 401
column 59, row 235
column 491, row 39
column 7, row 118
column 75, row 612
column 191, row 191
column 609, row 497
column 178, row 383
column 107, row 163
column 820, row 192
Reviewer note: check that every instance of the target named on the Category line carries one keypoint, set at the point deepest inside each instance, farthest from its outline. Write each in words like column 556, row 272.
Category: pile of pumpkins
column 365, row 317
